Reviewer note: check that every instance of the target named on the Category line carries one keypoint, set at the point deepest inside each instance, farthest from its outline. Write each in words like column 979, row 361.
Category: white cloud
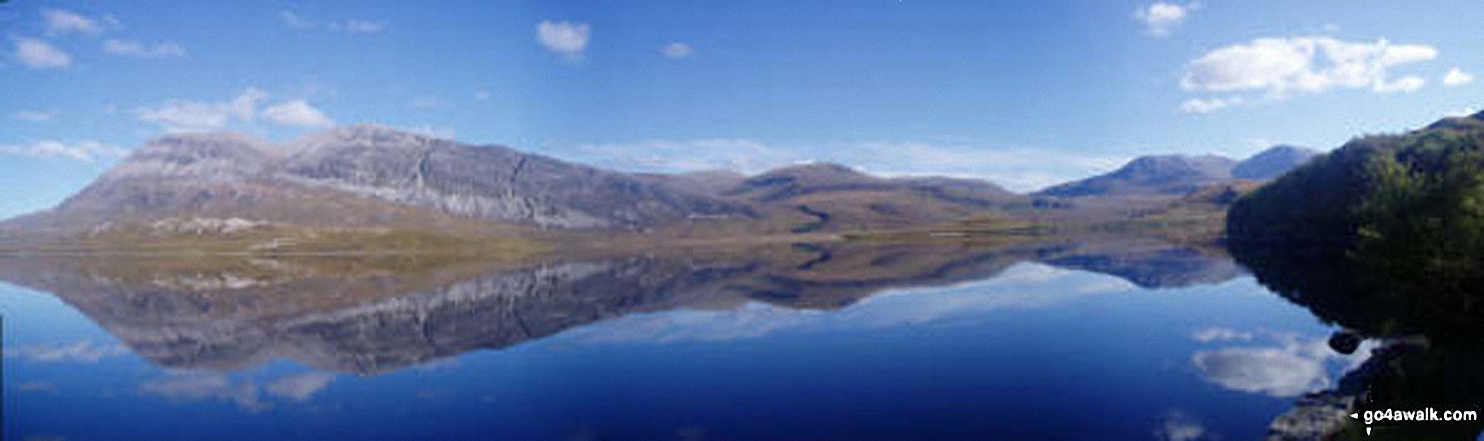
column 565, row 38
column 246, row 393
column 245, row 105
column 1466, row 111
column 297, row 113
column 36, row 386
column 427, row 102
column 59, row 22
column 1282, row 67
column 300, row 387
column 196, row 116
column 295, row 21
column 1160, row 19
column 37, row 54
column 481, row 95
column 34, row 116
column 1457, row 77
column 205, row 387
column 354, row 26
column 1210, row 335
column 1403, row 84
column 677, row 50
column 186, row 116
column 1293, row 367
column 1179, row 426
column 1272, row 371
column 81, row 351
column 365, row 26
column 82, row 151
column 129, row 48
column 1208, row 105
column 440, row 132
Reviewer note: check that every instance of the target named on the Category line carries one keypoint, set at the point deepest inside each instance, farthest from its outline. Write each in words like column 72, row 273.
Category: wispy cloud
column 567, row 39
column 186, row 115
column 129, row 48
column 1181, row 426
column 1208, row 105
column 62, row 22
column 353, row 26
column 87, row 151
column 40, row 55
column 365, row 26
column 677, row 50
column 36, row 386
column 301, row 386
column 294, row 21
column 81, row 351
column 246, row 394
column 196, row 116
column 35, row 116
column 206, row 387
column 1162, row 18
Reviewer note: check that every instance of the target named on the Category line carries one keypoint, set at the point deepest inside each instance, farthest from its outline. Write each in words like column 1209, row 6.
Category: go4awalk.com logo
column 1417, row 415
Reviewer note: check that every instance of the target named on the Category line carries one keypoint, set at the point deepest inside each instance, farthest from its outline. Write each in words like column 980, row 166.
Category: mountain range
column 370, row 176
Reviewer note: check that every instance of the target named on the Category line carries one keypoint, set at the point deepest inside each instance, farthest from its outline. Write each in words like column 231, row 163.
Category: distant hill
column 1272, row 162
column 1177, row 175
column 840, row 196
column 1171, row 175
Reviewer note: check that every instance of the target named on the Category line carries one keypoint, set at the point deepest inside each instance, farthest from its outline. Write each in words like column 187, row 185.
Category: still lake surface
column 1109, row 339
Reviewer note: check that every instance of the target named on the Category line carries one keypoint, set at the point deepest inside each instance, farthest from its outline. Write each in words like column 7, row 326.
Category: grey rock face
column 230, row 175
column 489, row 182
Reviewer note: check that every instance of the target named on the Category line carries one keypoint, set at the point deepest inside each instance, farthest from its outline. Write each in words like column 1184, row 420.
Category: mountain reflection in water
column 1108, row 336
column 374, row 316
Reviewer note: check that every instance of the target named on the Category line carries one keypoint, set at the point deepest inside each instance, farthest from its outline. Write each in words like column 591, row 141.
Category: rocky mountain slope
column 374, row 177
column 367, row 175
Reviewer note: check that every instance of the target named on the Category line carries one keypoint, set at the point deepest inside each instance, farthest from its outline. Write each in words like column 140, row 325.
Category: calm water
column 1115, row 340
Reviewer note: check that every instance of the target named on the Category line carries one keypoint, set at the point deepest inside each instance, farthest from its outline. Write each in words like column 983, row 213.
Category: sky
column 1026, row 94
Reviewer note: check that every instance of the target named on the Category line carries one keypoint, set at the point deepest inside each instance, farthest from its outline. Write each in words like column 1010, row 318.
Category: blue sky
column 1023, row 94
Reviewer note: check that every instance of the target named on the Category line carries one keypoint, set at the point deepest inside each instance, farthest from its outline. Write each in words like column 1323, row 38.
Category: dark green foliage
column 1399, row 220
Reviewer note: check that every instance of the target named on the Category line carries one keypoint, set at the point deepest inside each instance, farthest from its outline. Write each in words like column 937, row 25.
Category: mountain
column 367, row 175
column 833, row 196
column 1170, row 175
column 824, row 178
column 373, row 177
column 1272, row 162
column 1177, row 175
